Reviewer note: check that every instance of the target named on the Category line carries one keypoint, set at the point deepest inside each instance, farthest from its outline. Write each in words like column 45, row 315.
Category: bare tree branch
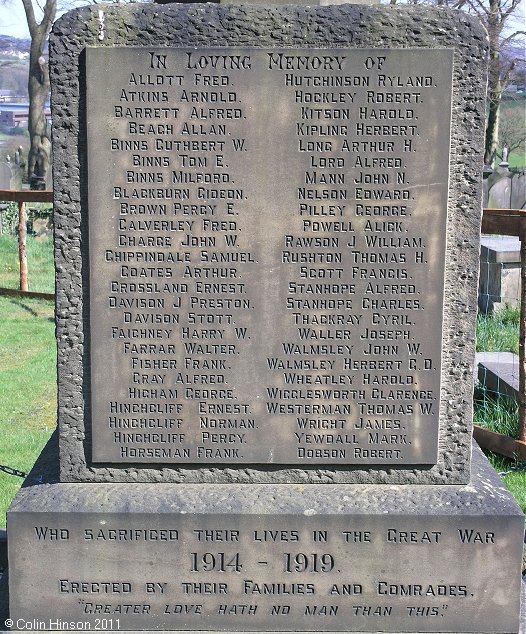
column 30, row 16
column 507, row 40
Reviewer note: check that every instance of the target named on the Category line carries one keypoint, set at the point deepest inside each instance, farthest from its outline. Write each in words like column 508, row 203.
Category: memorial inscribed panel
column 267, row 239
column 265, row 573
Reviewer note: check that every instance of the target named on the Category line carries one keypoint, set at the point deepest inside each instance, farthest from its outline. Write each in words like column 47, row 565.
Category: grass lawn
column 515, row 481
column 27, row 387
column 500, row 333
column 40, row 264
column 501, row 414
column 513, row 107
column 27, row 363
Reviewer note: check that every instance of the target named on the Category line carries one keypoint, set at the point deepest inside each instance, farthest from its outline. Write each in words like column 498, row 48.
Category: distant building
column 513, row 89
column 14, row 115
column 6, row 95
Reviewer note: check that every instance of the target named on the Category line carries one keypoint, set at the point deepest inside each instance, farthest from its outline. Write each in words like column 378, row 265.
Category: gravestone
column 518, row 191
column 42, row 228
column 267, row 227
column 6, row 176
column 498, row 372
column 499, row 278
column 505, row 190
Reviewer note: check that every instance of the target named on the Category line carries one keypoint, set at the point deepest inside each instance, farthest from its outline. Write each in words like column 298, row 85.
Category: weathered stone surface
column 264, row 267
column 498, row 372
column 499, row 280
column 172, row 547
column 242, row 26
column 426, row 558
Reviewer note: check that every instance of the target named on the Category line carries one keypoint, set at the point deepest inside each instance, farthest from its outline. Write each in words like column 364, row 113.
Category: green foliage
column 496, row 412
column 39, row 263
column 499, row 332
column 499, row 413
column 27, row 387
column 511, row 129
column 515, row 481
column 36, row 210
column 10, row 218
column 40, row 210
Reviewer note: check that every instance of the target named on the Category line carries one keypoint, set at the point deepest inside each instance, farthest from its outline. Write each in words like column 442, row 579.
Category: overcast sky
column 13, row 19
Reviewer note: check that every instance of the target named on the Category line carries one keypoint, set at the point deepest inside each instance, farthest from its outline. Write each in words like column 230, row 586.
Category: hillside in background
column 14, row 46
column 14, row 59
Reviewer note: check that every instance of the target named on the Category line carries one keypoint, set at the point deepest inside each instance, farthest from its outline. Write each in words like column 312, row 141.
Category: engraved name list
column 267, row 236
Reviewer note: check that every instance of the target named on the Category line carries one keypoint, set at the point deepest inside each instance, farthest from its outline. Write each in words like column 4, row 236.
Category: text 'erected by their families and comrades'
column 252, row 572
column 267, row 238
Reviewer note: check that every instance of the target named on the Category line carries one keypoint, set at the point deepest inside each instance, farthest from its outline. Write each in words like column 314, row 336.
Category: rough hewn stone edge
column 289, row 26
column 485, row 495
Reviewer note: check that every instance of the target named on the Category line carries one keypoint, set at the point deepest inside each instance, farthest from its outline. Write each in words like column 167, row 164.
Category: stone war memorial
column 267, row 239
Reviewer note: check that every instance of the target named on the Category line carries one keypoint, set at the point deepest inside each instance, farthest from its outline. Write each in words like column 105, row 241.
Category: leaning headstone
column 266, row 243
column 6, row 176
column 518, row 191
column 500, row 193
column 42, row 228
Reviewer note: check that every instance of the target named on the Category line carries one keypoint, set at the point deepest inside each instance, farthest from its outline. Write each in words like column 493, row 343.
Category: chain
column 21, row 474
column 519, row 467
column 13, row 472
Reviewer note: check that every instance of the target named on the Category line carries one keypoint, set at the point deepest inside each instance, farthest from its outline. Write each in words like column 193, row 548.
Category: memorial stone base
column 191, row 159
column 346, row 558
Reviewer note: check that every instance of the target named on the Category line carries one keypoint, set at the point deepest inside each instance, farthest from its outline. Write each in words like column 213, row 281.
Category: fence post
column 522, row 337
column 22, row 245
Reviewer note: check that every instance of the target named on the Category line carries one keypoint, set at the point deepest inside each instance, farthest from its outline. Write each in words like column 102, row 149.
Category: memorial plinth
column 271, row 557
column 267, row 228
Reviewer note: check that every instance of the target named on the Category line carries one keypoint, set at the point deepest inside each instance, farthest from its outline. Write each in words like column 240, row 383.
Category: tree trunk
column 39, row 134
column 492, row 125
column 494, row 84
column 38, row 87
